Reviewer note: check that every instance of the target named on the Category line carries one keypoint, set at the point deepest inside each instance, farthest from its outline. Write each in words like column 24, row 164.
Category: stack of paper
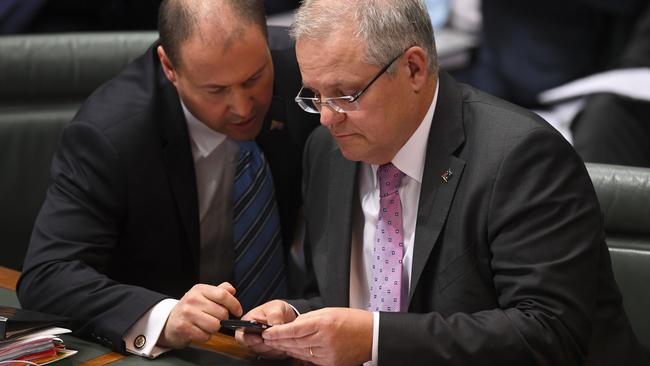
column 31, row 336
column 41, row 347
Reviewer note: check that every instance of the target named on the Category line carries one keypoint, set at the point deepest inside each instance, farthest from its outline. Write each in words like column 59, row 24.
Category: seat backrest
column 624, row 195
column 43, row 81
column 65, row 66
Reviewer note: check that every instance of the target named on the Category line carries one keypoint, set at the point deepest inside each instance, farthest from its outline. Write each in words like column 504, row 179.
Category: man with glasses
column 445, row 226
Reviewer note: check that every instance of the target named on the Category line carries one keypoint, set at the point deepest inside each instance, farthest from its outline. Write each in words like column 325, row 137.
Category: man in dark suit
column 141, row 210
column 613, row 129
column 527, row 48
column 445, row 226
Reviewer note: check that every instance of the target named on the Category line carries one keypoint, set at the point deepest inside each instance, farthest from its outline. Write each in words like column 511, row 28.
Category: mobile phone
column 247, row 326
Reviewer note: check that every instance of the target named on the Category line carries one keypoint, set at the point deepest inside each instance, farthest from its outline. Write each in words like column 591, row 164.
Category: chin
column 351, row 155
column 245, row 134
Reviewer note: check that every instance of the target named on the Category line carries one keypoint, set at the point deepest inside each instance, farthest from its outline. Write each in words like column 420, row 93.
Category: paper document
column 632, row 83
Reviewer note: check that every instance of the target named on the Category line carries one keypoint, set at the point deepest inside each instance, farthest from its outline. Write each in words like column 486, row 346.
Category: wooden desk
column 219, row 343
column 8, row 278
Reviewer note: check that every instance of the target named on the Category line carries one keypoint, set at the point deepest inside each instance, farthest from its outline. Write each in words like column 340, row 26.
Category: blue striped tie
column 259, row 258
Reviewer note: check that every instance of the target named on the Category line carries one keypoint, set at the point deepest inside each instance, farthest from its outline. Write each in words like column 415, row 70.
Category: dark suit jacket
column 119, row 229
column 612, row 129
column 510, row 266
column 529, row 47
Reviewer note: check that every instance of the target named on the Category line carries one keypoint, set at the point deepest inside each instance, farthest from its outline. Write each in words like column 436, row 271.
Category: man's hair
column 386, row 27
column 179, row 19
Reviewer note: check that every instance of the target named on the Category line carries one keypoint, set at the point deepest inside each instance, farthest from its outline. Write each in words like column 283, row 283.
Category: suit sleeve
column 312, row 300
column 544, row 236
column 75, row 235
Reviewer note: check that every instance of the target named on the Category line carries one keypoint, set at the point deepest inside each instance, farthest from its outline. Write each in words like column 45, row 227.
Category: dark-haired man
column 160, row 192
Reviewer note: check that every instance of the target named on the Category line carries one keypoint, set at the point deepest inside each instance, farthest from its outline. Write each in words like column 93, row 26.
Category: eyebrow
column 337, row 84
column 216, row 86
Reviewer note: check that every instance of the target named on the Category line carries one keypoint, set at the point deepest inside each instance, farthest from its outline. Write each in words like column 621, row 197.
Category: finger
column 204, row 321
column 223, row 297
column 256, row 314
column 255, row 343
column 228, row 287
column 248, row 339
column 297, row 329
column 289, row 344
column 251, row 339
column 280, row 313
column 204, row 305
column 194, row 313
column 192, row 309
column 293, row 344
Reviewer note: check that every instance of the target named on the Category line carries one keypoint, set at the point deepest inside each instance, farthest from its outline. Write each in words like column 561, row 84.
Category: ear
column 167, row 66
column 418, row 67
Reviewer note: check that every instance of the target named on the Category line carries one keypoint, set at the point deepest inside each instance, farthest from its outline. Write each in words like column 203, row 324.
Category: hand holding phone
column 248, row 326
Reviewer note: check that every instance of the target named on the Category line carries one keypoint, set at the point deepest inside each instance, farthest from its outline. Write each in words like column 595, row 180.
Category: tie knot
column 248, row 147
column 249, row 153
column 389, row 178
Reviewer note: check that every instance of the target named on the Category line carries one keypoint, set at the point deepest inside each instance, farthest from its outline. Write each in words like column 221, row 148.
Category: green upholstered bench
column 43, row 81
column 624, row 195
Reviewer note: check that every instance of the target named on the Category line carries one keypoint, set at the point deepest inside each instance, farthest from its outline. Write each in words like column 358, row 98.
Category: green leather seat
column 624, row 195
column 43, row 81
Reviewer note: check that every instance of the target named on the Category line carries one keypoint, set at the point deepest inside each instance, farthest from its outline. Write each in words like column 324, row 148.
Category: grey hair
column 386, row 27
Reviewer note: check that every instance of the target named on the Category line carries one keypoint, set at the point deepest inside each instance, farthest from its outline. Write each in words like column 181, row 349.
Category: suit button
column 139, row 341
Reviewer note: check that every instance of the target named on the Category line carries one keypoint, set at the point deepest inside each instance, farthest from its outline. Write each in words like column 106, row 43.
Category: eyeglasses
column 312, row 103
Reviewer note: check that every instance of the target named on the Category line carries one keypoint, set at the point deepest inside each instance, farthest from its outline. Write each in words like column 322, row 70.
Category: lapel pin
column 276, row 125
column 446, row 175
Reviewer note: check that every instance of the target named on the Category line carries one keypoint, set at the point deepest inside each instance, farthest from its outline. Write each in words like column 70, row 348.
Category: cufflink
column 139, row 341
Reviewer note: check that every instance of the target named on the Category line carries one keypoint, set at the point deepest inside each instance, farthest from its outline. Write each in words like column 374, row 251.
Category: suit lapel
column 341, row 199
column 179, row 163
column 437, row 192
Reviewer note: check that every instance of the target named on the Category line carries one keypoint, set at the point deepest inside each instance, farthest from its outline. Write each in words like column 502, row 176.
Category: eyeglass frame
column 302, row 101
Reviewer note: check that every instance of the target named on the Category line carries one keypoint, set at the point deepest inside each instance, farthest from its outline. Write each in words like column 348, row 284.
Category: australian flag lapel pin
column 446, row 175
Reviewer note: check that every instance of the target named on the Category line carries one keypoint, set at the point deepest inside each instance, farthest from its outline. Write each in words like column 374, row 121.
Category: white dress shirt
column 410, row 160
column 215, row 157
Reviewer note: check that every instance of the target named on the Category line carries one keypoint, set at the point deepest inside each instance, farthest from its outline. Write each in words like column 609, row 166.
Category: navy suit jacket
column 532, row 46
column 119, row 229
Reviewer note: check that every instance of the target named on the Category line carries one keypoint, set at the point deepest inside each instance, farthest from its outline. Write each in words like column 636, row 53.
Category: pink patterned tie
column 385, row 284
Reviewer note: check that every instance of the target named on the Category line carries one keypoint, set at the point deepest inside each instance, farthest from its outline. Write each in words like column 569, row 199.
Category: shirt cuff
column 142, row 337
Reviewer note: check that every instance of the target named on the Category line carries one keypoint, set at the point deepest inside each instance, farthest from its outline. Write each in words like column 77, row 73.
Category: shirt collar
column 205, row 140
column 410, row 158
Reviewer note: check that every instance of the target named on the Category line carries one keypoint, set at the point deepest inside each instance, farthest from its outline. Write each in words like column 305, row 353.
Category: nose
column 329, row 117
column 242, row 102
